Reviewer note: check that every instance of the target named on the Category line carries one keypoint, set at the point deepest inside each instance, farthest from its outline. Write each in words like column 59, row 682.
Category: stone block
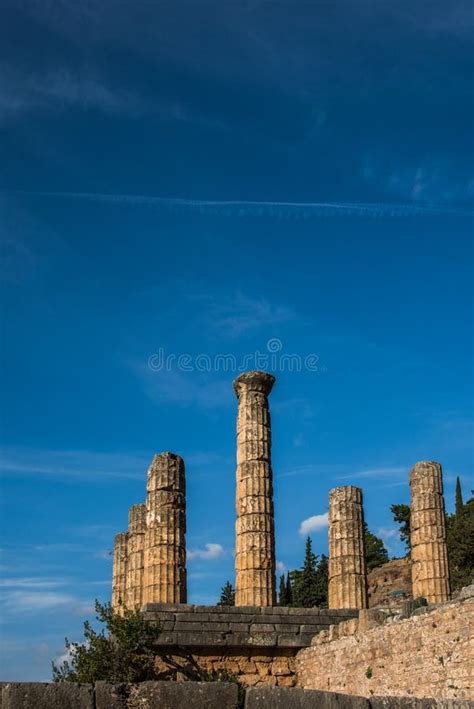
column 278, row 610
column 193, row 617
column 200, row 627
column 295, row 698
column 167, row 607
column 287, row 640
column 262, row 628
column 167, row 695
column 200, row 638
column 39, row 695
column 418, row 703
column 239, row 627
column 307, row 628
column 287, row 628
column 263, row 639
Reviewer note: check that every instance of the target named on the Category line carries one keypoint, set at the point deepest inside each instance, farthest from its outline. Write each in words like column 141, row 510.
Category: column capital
column 346, row 492
column 165, row 456
column 254, row 381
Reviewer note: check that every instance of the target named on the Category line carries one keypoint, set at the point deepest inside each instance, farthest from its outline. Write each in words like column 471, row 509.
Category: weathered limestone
column 347, row 567
column 119, row 571
column 165, row 547
column 430, row 570
column 135, row 546
column 255, row 537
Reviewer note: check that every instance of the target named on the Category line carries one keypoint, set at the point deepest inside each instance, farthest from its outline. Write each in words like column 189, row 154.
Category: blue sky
column 257, row 115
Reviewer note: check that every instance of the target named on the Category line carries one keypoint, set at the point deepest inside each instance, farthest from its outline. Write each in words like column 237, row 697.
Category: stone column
column 429, row 552
column 135, row 545
column 255, row 534
column 165, row 545
column 347, row 567
column 119, row 571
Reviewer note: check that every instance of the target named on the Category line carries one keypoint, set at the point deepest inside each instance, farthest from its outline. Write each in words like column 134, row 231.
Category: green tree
column 322, row 579
column 227, row 595
column 282, row 597
column 375, row 552
column 401, row 515
column 460, row 539
column 289, row 590
column 459, row 503
column 305, row 580
column 122, row 652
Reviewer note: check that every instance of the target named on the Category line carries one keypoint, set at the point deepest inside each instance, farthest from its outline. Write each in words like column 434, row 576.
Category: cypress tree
column 322, row 579
column 289, row 590
column 227, row 595
column 282, row 595
column 459, row 502
column 375, row 552
column 401, row 515
column 305, row 588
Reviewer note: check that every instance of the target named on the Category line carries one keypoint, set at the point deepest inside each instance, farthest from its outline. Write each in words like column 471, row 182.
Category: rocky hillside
column 389, row 584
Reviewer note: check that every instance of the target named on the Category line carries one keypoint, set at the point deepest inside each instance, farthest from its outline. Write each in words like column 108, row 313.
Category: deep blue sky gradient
column 264, row 102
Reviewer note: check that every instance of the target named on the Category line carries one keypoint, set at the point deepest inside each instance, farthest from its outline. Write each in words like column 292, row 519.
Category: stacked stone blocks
column 347, row 566
column 255, row 536
column 429, row 552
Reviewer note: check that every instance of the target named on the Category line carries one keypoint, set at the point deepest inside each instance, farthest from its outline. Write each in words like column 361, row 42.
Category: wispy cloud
column 32, row 601
column 280, row 567
column 183, row 388
column 237, row 315
column 251, row 208
column 316, row 523
column 210, row 552
column 71, row 464
column 377, row 472
column 32, row 582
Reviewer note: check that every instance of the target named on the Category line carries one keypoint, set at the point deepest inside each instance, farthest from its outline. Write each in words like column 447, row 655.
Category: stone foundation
column 198, row 695
column 430, row 654
column 257, row 645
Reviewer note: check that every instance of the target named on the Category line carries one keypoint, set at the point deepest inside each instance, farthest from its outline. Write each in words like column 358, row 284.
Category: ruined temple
column 256, row 640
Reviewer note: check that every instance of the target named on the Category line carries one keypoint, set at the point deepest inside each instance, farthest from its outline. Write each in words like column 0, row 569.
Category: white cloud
column 387, row 533
column 313, row 524
column 211, row 551
column 280, row 567
column 32, row 583
column 31, row 601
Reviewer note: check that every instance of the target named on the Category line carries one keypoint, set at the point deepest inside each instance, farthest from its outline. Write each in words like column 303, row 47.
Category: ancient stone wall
column 430, row 654
column 258, row 645
column 198, row 695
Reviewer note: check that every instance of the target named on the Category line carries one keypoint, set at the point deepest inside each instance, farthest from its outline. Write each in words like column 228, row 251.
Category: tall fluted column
column 255, row 535
column 347, row 567
column 119, row 571
column 429, row 552
column 165, row 546
column 135, row 545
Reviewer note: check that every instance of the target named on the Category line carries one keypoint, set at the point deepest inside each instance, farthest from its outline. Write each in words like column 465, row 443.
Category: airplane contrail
column 260, row 208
